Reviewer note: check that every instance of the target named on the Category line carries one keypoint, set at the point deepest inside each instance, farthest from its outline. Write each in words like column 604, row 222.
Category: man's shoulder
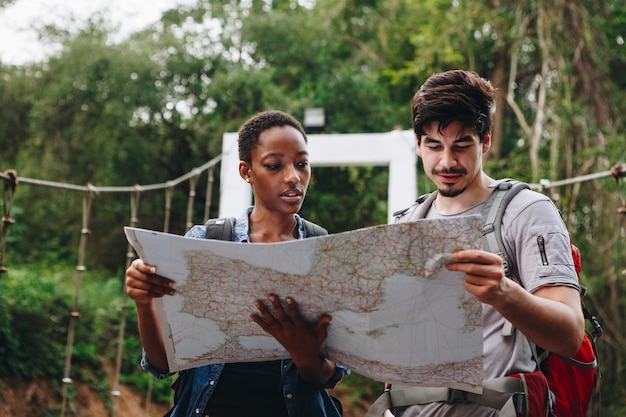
column 529, row 201
column 531, row 212
column 415, row 211
column 401, row 213
column 523, row 195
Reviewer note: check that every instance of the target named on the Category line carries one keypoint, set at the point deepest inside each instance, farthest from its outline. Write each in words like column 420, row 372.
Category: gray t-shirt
column 538, row 244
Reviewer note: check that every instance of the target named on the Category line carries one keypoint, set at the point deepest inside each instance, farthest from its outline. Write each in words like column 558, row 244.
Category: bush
column 32, row 310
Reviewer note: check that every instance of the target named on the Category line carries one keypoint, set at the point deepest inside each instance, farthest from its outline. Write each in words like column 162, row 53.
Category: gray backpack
column 222, row 228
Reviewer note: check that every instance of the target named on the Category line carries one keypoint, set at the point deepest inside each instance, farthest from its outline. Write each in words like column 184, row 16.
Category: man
column 452, row 123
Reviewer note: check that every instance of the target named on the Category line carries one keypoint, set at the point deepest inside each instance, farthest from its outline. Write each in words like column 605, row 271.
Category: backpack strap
column 223, row 228
column 503, row 193
column 220, row 229
column 311, row 229
column 504, row 394
column 419, row 209
column 492, row 214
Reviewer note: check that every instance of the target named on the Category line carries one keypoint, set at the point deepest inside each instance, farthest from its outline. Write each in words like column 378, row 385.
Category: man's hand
column 484, row 273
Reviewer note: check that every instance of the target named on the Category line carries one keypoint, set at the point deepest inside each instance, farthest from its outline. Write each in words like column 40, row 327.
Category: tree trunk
column 500, row 84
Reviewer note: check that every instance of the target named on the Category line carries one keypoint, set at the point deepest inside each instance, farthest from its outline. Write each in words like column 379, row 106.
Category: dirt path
column 41, row 398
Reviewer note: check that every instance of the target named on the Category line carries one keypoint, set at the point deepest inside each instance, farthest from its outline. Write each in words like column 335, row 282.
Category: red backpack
column 572, row 381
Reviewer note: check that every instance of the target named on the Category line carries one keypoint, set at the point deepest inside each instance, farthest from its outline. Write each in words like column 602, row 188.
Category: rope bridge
column 11, row 180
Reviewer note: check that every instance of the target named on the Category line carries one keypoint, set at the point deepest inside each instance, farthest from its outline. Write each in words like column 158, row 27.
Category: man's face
column 452, row 158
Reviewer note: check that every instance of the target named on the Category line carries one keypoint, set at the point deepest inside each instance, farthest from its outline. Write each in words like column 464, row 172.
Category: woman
column 275, row 162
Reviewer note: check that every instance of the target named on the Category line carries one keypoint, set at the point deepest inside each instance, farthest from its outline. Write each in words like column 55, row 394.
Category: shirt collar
column 242, row 226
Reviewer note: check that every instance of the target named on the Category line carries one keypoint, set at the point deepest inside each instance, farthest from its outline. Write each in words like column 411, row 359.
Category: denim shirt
column 194, row 387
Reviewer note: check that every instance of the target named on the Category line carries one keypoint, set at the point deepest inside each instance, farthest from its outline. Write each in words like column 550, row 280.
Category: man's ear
column 418, row 141
column 486, row 142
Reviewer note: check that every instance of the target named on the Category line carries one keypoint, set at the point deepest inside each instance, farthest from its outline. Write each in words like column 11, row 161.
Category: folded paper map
column 398, row 315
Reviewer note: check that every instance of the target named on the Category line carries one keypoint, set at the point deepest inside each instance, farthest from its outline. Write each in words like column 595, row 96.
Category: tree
column 6, row 3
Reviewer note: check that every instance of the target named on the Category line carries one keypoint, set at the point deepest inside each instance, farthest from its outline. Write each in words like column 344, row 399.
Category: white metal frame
column 395, row 149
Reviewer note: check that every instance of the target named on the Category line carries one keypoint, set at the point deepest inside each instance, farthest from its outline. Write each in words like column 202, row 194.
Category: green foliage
column 131, row 373
column 342, row 94
column 35, row 304
column 33, row 312
column 14, row 122
column 160, row 389
column 347, row 198
column 359, row 389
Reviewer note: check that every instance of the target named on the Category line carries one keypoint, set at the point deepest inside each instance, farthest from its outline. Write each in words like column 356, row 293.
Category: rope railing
column 617, row 171
column 8, row 193
column 116, row 189
column 115, row 392
column 75, row 314
column 10, row 179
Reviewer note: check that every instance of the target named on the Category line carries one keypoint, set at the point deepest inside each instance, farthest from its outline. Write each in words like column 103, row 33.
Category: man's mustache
column 458, row 171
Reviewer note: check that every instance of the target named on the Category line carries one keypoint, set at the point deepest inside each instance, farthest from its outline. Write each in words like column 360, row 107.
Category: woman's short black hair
column 251, row 130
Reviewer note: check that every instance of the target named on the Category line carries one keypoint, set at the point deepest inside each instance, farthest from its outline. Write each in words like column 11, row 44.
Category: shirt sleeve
column 340, row 371
column 147, row 366
column 538, row 238
column 196, row 232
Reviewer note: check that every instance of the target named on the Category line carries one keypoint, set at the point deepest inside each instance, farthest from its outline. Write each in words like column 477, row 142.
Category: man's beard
column 448, row 192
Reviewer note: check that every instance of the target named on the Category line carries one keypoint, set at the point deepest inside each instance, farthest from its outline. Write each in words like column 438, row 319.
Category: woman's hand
column 143, row 285
column 301, row 338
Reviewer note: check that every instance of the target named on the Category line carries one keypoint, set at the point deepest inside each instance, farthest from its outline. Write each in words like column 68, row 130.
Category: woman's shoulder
column 197, row 231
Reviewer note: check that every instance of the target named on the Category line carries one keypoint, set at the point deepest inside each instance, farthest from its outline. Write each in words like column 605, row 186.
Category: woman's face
column 279, row 171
